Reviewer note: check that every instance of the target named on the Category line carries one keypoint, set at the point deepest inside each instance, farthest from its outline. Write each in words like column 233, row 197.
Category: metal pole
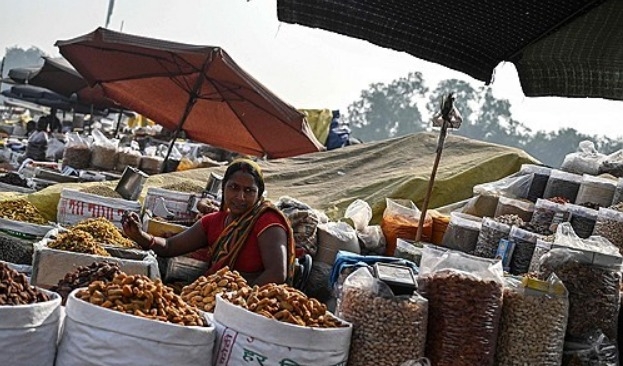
column 189, row 106
column 118, row 123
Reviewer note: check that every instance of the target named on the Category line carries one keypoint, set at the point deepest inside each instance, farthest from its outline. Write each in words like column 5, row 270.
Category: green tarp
column 329, row 181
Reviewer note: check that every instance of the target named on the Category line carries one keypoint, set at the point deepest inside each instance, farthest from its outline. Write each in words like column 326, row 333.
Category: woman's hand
column 207, row 206
column 132, row 228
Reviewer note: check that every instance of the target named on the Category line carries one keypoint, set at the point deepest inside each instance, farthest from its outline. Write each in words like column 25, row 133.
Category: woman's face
column 241, row 193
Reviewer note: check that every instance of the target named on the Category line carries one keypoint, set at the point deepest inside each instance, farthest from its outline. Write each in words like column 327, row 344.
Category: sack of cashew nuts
column 533, row 323
column 132, row 320
column 387, row 329
column 277, row 325
column 464, row 295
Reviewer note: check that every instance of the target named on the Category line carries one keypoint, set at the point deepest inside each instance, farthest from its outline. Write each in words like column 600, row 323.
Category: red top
column 250, row 259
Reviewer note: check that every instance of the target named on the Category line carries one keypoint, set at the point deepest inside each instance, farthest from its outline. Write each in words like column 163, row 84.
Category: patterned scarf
column 234, row 237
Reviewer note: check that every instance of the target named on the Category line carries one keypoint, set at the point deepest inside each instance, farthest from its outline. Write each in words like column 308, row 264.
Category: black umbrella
column 569, row 48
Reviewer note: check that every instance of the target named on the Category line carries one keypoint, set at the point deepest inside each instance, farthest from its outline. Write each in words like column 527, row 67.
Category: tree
column 388, row 110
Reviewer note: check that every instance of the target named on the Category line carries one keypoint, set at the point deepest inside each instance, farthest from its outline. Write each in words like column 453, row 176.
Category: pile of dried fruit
column 139, row 295
column 78, row 241
column 104, row 232
column 202, row 293
column 84, row 275
column 284, row 303
column 21, row 210
column 15, row 289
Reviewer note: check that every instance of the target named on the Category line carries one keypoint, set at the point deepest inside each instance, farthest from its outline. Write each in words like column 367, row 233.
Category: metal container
column 214, row 184
column 131, row 183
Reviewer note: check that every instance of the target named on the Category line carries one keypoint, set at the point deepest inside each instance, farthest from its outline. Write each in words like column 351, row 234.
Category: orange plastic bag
column 402, row 222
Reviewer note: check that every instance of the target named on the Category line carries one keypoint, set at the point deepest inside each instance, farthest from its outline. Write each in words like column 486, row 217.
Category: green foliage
column 389, row 110
column 385, row 111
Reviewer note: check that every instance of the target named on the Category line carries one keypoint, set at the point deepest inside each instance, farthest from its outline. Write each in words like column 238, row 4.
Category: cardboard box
column 160, row 228
column 51, row 265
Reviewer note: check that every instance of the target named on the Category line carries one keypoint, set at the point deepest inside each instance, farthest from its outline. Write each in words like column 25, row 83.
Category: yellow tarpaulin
column 319, row 121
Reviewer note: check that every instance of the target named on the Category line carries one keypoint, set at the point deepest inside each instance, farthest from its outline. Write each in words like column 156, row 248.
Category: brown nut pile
column 532, row 329
column 386, row 331
column 594, row 296
column 21, row 210
column 15, row 289
column 104, row 232
column 202, row 293
column 284, row 303
column 78, row 241
column 489, row 237
column 102, row 191
column 139, row 295
column 84, row 275
column 611, row 229
column 463, row 316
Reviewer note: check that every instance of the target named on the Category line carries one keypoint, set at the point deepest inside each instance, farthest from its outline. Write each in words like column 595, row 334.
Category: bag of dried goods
column 491, row 231
column 128, row 157
column 104, row 151
column 593, row 286
column 464, row 306
column 533, row 323
column 563, row 184
column 525, row 242
column 378, row 317
column 277, row 325
column 133, row 320
column 402, row 222
column 30, row 320
column 462, row 233
column 609, row 224
column 539, row 180
column 585, row 160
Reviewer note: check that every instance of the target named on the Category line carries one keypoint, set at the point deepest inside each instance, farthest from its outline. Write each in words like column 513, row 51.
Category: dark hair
column 246, row 166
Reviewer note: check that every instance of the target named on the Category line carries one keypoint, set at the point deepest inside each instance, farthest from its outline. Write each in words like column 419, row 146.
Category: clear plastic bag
column 541, row 248
column 585, row 160
column 387, row 329
column 402, row 222
column 77, row 152
column 594, row 296
column 609, row 224
column 360, row 213
column 465, row 303
column 462, row 232
column 547, row 215
column 596, row 190
column 582, row 220
column 595, row 350
column 612, row 164
column 104, row 155
column 533, row 322
column 512, row 206
column 618, row 192
column 128, row 157
column 489, row 237
column 563, row 184
column 539, row 180
column 525, row 242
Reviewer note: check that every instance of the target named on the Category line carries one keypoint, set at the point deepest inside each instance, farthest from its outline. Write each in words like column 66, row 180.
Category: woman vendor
column 247, row 233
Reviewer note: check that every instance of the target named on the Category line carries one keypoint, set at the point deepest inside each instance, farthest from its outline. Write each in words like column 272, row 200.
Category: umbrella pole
column 91, row 120
column 189, row 106
column 118, row 123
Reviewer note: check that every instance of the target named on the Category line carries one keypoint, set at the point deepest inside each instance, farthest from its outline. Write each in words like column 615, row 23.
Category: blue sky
column 308, row 68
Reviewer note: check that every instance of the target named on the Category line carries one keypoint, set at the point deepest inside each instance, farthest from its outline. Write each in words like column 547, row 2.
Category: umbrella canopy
column 199, row 89
column 47, row 98
column 569, row 48
column 59, row 76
